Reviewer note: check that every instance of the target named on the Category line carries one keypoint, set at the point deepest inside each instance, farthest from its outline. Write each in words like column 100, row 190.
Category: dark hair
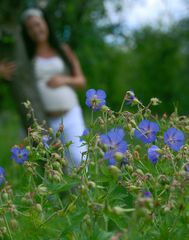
column 30, row 45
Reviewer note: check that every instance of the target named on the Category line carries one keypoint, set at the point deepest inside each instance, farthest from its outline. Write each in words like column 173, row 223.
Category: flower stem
column 8, row 228
column 122, row 105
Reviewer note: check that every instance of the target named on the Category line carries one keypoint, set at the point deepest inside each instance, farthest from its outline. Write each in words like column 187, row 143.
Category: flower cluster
column 146, row 132
column 121, row 180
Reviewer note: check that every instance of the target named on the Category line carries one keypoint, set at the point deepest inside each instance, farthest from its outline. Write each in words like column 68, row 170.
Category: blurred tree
column 22, row 86
column 152, row 62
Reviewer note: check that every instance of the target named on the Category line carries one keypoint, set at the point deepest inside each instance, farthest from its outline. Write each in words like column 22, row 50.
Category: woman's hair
column 30, row 45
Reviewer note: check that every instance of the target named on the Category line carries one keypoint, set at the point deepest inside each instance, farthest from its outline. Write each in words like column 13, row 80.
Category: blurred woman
column 58, row 74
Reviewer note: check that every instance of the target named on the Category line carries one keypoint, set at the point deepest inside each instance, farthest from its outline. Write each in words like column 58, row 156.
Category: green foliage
column 99, row 202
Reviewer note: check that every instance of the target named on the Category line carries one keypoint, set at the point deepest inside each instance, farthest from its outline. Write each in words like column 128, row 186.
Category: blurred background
column 141, row 45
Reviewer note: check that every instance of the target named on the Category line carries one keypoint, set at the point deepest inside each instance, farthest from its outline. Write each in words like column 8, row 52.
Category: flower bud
column 82, row 189
column 56, row 165
column 63, row 162
column 38, row 207
column 118, row 156
column 28, row 148
column 3, row 230
column 133, row 123
column 115, row 171
column 129, row 168
column 56, row 156
column 56, row 177
column 139, row 171
column 42, row 190
column 5, row 196
column 14, row 224
column 91, row 184
column 136, row 155
column 105, row 108
column 50, row 131
column 135, row 101
column 155, row 101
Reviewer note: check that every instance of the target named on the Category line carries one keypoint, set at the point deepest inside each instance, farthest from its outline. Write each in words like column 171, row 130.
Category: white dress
column 61, row 99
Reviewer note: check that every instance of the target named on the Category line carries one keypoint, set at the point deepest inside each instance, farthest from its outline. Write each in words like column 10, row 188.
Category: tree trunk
column 23, row 85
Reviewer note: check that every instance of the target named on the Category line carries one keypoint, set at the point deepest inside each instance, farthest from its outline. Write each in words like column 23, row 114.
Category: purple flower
column 174, row 138
column 45, row 140
column 2, row 175
column 153, row 153
column 115, row 143
column 147, row 131
column 19, row 154
column 147, row 194
column 85, row 133
column 129, row 97
column 95, row 99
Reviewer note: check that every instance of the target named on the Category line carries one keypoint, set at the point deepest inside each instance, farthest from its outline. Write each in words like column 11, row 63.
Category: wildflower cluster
column 133, row 183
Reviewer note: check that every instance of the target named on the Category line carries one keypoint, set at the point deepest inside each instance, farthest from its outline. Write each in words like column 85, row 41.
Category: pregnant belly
column 57, row 99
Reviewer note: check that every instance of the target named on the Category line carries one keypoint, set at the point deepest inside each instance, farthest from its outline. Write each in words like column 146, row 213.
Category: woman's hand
column 7, row 70
column 61, row 80
column 57, row 81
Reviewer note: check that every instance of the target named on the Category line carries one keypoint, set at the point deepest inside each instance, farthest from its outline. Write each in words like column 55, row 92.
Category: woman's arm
column 77, row 80
column 73, row 81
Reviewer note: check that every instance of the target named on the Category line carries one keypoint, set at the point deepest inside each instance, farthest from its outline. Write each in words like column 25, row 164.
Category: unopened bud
column 129, row 168
column 115, row 171
column 139, row 171
column 14, row 224
column 91, row 184
column 118, row 156
column 56, row 156
column 42, row 190
column 50, row 131
column 5, row 196
column 155, row 101
column 56, row 165
column 104, row 108
column 38, row 207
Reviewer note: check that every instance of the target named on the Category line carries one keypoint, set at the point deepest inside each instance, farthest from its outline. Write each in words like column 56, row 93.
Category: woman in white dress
column 58, row 74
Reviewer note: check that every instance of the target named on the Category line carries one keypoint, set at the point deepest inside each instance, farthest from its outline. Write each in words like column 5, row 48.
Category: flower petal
column 90, row 93
column 101, row 94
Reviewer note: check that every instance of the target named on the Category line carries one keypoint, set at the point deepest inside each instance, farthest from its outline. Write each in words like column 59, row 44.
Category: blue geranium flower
column 19, row 154
column 45, row 140
column 115, row 143
column 147, row 194
column 95, row 99
column 146, row 131
column 85, row 133
column 153, row 153
column 2, row 175
column 174, row 138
